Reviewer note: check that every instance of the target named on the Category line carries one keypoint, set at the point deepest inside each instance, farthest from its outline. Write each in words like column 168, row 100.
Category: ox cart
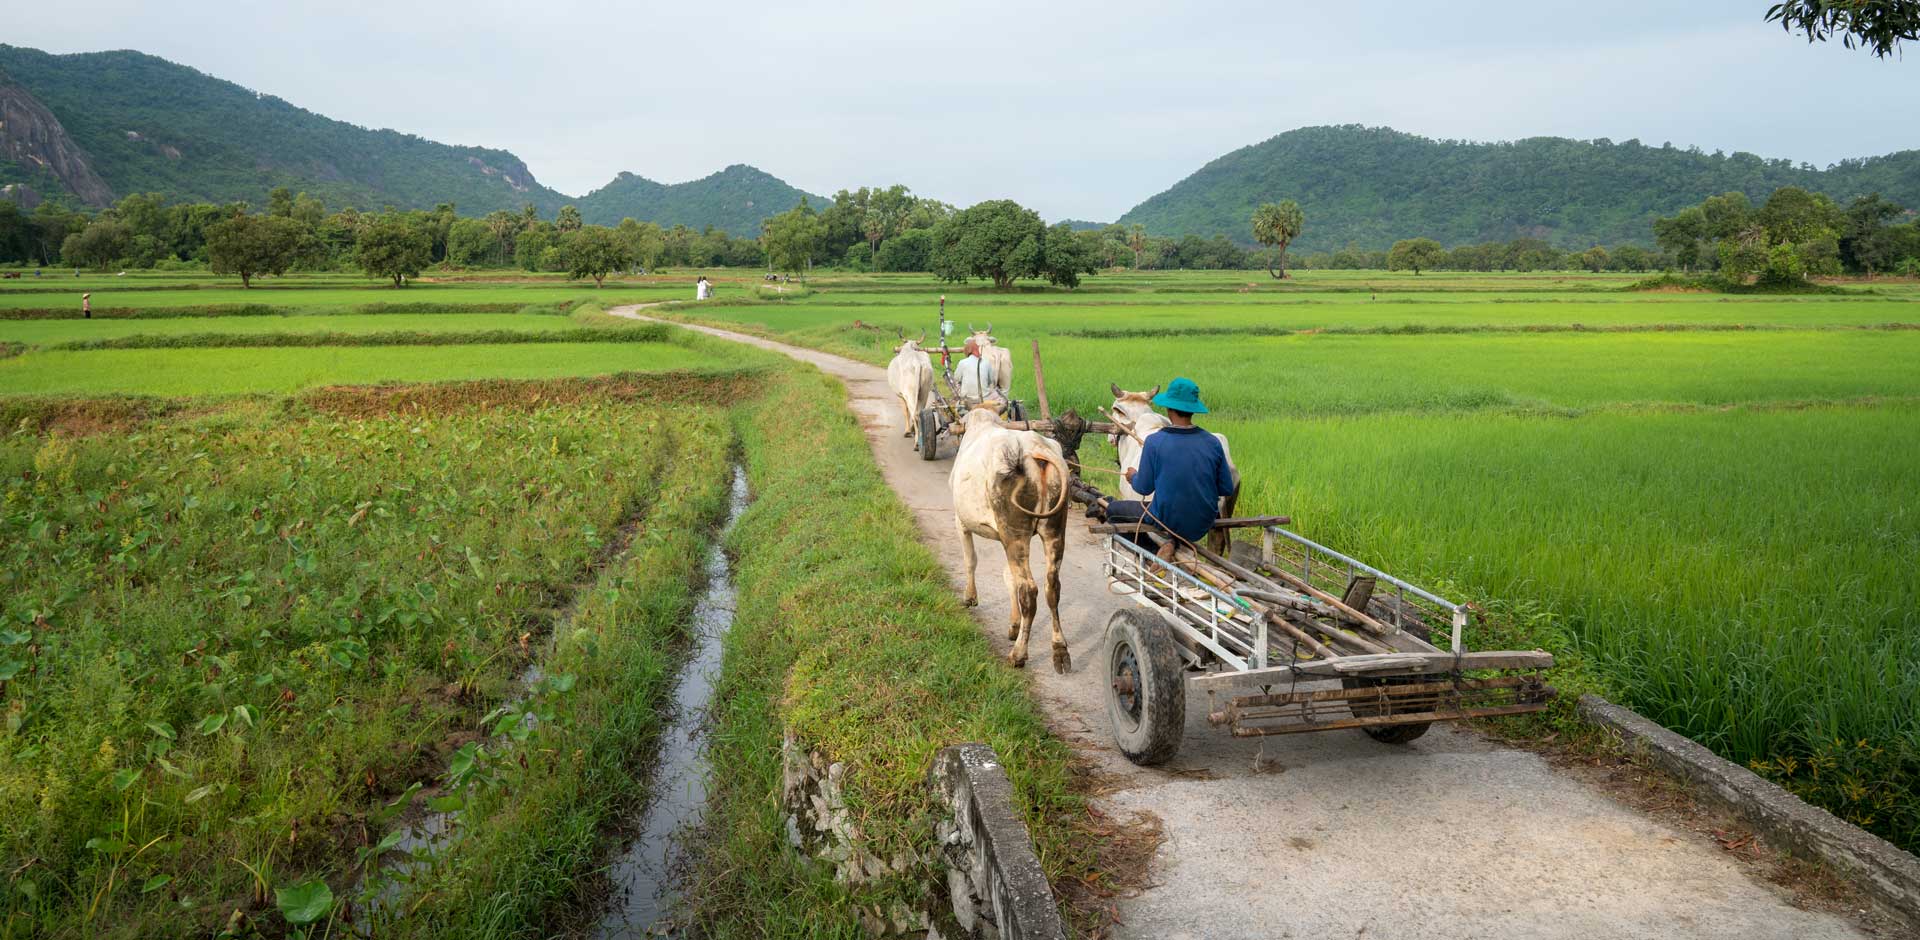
column 945, row 417
column 1290, row 637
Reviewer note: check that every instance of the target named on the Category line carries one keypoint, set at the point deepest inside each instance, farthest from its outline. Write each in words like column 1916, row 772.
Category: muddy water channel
column 640, row 876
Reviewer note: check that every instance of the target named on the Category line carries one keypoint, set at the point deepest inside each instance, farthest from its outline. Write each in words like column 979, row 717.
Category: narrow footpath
column 1334, row 834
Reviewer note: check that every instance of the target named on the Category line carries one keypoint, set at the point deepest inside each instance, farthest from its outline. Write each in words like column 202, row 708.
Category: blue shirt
column 1185, row 471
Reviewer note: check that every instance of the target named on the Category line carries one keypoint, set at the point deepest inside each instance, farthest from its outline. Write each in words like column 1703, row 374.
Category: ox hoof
column 970, row 601
column 1061, row 660
column 1017, row 659
column 1013, row 633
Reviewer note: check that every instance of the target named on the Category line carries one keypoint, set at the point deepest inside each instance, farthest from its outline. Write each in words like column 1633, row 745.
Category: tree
column 907, row 251
column 886, row 216
column 568, row 220
column 1276, row 225
column 52, row 223
column 309, row 210
column 1796, row 216
column 1878, row 26
column 280, row 203
column 1595, row 259
column 1681, row 234
column 470, row 242
column 594, row 251
column 438, row 224
column 998, row 239
column 252, row 245
column 1867, row 242
column 504, row 225
column 393, row 248
column 98, row 245
column 1065, row 256
column 793, row 238
column 1137, row 243
column 1415, row 254
column 531, row 246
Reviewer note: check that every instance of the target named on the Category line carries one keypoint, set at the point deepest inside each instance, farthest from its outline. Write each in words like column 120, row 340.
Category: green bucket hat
column 1181, row 395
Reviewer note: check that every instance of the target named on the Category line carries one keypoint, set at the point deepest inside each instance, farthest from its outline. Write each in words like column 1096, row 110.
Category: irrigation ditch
column 640, row 878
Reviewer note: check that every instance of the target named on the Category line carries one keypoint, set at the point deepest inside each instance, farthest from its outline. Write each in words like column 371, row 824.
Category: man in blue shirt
column 1183, row 468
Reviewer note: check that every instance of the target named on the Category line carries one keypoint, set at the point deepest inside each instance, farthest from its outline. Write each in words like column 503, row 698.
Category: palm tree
column 1276, row 225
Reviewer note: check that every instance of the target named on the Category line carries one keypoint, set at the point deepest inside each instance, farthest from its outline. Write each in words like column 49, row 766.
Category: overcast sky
column 1079, row 110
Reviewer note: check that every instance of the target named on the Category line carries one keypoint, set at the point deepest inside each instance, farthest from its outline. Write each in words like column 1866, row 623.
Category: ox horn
column 1116, row 389
column 989, row 326
column 923, row 337
column 1156, row 391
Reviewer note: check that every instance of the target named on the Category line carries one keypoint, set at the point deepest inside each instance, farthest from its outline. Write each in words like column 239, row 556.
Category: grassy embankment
column 850, row 638
column 1715, row 527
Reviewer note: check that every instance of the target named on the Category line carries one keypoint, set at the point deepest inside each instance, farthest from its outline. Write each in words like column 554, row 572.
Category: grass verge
column 849, row 637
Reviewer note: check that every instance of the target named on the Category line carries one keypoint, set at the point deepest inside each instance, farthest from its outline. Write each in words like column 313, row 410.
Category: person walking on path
column 86, row 306
column 1183, row 468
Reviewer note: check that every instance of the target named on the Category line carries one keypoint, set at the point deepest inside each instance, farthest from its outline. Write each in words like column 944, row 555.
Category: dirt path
column 1334, row 834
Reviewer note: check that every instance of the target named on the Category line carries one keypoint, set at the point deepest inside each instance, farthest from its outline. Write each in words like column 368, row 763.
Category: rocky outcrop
column 31, row 136
column 20, row 194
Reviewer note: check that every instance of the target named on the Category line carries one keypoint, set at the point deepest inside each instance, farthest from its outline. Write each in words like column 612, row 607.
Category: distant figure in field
column 701, row 289
column 86, row 306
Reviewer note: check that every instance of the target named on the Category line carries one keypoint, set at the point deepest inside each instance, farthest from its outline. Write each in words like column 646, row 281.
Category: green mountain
column 147, row 125
column 734, row 200
column 1371, row 186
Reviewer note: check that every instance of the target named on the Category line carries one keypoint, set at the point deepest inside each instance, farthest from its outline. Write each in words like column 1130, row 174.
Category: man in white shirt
column 974, row 375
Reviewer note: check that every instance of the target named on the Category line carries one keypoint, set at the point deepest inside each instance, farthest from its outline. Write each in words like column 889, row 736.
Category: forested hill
column 148, row 125
column 1372, row 186
column 734, row 200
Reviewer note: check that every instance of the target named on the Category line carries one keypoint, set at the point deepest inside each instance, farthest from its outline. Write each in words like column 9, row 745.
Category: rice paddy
column 1722, row 522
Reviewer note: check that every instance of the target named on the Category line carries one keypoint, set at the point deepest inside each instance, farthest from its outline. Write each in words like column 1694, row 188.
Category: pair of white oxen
column 1010, row 485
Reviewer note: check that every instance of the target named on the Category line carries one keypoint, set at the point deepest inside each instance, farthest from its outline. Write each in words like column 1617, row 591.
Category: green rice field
column 1704, row 505
column 1708, row 501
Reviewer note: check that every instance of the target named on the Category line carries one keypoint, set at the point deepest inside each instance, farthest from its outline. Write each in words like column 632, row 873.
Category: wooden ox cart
column 1290, row 637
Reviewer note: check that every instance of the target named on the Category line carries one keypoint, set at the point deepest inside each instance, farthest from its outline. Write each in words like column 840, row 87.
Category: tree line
column 296, row 232
column 1794, row 235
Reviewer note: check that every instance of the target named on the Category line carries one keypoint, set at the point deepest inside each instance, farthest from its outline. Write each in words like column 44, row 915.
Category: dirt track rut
column 1334, row 834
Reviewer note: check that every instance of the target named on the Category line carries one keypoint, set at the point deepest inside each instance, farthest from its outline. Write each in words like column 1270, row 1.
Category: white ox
column 997, row 475
column 1137, row 409
column 997, row 354
column 910, row 375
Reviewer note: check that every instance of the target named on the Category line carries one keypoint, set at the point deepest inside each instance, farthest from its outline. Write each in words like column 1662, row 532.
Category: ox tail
column 1042, row 461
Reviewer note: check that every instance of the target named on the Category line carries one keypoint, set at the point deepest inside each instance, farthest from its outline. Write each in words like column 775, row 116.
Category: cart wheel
column 929, row 440
column 1146, row 688
column 1385, row 734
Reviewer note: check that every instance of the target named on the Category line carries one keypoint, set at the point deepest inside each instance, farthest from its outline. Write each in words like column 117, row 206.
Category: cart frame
column 1257, row 639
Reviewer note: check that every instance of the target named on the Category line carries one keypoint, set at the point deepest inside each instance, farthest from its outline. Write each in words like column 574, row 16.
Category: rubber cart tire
column 1385, row 734
column 929, row 438
column 1146, row 687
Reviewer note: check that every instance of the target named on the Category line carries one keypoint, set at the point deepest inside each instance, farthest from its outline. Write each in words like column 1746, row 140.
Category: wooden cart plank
column 1379, row 664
